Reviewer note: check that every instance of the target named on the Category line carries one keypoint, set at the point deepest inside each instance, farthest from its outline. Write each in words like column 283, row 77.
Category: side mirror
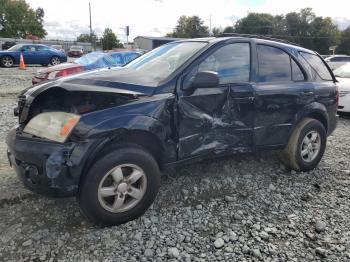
column 205, row 79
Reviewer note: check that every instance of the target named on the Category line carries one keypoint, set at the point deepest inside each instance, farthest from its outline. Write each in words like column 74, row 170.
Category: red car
column 90, row 61
column 75, row 51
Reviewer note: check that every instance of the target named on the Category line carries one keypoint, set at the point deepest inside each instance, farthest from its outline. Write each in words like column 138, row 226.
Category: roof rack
column 264, row 37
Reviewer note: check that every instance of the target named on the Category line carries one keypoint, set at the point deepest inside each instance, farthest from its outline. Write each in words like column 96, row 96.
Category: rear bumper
column 332, row 124
column 45, row 167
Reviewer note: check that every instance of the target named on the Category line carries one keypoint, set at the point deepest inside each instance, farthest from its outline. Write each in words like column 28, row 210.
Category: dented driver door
column 218, row 119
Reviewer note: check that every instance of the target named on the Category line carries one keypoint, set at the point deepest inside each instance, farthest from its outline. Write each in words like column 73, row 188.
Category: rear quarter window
column 318, row 65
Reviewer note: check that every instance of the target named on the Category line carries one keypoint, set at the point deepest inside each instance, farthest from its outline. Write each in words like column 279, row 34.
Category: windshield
column 343, row 71
column 15, row 48
column 95, row 57
column 161, row 62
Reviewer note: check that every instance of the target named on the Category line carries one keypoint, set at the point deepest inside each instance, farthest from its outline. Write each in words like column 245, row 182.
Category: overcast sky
column 67, row 19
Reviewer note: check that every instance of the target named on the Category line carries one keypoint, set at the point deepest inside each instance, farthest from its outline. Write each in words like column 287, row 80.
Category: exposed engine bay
column 77, row 102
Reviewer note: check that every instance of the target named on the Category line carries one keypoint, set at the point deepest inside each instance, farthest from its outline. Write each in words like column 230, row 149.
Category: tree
column 217, row 31
column 303, row 28
column 18, row 19
column 86, row 38
column 255, row 23
column 325, row 34
column 109, row 40
column 344, row 46
column 189, row 27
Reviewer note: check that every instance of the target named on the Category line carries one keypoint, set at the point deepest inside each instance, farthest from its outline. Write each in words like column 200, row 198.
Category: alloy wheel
column 122, row 188
column 310, row 146
column 7, row 61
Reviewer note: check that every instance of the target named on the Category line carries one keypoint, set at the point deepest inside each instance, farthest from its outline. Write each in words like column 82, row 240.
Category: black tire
column 55, row 60
column 88, row 190
column 292, row 155
column 7, row 61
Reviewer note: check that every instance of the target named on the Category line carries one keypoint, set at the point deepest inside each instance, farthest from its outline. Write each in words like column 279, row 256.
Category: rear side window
column 274, row 64
column 231, row 62
column 318, row 65
column 297, row 74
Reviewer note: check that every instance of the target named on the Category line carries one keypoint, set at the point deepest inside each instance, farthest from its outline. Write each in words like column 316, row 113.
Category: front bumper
column 46, row 167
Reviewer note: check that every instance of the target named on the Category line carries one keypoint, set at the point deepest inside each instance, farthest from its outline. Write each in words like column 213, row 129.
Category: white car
column 337, row 61
column 343, row 76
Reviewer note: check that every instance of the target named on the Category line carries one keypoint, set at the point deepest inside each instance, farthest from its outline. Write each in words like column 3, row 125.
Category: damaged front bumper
column 46, row 167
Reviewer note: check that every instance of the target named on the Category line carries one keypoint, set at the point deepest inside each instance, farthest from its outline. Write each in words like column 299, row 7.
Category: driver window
column 28, row 48
column 231, row 62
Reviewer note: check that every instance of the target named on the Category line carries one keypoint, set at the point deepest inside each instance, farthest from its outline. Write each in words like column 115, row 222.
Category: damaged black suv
column 104, row 136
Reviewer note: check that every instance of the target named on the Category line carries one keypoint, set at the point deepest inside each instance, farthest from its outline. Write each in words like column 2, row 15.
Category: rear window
column 318, row 65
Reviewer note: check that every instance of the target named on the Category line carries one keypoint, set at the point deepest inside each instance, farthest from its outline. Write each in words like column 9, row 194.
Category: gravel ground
column 243, row 208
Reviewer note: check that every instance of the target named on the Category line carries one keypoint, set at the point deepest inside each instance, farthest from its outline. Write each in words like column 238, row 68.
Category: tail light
column 65, row 72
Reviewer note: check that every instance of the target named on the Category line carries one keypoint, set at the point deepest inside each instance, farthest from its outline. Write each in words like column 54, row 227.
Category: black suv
column 104, row 136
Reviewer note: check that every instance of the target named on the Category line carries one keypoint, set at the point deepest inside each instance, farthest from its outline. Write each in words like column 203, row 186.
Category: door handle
column 307, row 93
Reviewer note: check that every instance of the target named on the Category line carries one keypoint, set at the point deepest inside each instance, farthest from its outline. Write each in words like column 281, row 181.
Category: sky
column 67, row 19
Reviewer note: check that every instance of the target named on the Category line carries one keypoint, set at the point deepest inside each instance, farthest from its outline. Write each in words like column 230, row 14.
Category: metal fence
column 65, row 44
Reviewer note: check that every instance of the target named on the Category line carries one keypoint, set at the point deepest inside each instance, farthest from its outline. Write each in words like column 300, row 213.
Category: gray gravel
column 243, row 208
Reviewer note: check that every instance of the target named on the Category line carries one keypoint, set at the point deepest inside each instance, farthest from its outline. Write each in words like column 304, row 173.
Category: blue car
column 32, row 54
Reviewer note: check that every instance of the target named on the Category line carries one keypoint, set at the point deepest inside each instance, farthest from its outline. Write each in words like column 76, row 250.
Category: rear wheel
column 306, row 145
column 7, row 61
column 120, row 186
column 55, row 60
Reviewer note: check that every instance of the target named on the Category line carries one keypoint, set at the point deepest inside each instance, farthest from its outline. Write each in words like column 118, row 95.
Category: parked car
column 90, row 61
column 7, row 45
column 337, row 60
column 121, row 58
column 105, row 136
column 58, row 47
column 32, row 54
column 343, row 76
column 76, row 51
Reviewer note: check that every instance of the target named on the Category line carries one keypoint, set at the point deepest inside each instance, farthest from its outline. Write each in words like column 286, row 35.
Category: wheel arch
column 124, row 137
column 316, row 111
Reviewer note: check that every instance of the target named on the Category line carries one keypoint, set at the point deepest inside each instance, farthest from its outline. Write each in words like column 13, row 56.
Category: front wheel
column 306, row 145
column 7, row 61
column 120, row 186
column 55, row 60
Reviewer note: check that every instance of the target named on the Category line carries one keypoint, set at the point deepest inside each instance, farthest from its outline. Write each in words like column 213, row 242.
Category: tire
column 298, row 155
column 55, row 60
column 7, row 61
column 128, row 158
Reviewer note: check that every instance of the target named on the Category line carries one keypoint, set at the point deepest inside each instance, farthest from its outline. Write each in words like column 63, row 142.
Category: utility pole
column 91, row 41
column 210, row 25
column 127, row 32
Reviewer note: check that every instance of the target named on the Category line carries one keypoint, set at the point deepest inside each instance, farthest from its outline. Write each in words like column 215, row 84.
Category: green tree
column 255, row 23
column 86, row 38
column 217, row 31
column 344, row 46
column 325, row 34
column 18, row 19
column 109, row 40
column 189, row 27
